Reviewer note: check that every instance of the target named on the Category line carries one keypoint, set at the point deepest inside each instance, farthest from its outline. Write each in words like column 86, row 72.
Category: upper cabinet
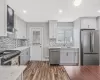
column 88, row 23
column 52, row 28
column 20, row 27
column 3, row 18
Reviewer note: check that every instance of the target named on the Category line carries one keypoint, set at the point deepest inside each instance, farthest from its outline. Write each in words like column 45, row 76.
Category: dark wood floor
column 83, row 72
column 42, row 71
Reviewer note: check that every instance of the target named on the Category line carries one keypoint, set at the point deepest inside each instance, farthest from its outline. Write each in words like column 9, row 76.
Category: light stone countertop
column 54, row 47
column 21, row 48
column 11, row 72
column 64, row 47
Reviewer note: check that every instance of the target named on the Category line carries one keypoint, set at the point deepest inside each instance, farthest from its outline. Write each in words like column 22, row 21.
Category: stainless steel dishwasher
column 54, row 56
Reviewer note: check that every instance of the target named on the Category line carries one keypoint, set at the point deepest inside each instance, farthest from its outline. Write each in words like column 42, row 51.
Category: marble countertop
column 21, row 48
column 54, row 47
column 11, row 72
column 64, row 47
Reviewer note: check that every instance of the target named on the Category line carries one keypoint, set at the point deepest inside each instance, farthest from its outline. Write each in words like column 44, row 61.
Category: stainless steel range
column 10, row 57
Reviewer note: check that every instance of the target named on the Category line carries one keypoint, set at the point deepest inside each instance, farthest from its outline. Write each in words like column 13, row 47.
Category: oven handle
column 6, row 61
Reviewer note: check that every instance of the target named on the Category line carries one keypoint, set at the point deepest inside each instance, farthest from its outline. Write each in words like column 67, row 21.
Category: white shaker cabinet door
column 71, row 57
column 76, row 57
column 88, row 23
column 52, row 28
column 22, row 59
column 20, row 26
column 66, row 58
column 25, row 56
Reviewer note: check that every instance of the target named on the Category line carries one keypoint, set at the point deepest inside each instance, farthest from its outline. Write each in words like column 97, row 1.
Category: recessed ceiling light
column 60, row 11
column 77, row 2
column 24, row 11
column 98, row 11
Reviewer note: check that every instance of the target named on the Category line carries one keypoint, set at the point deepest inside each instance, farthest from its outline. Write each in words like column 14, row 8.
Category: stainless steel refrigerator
column 89, row 47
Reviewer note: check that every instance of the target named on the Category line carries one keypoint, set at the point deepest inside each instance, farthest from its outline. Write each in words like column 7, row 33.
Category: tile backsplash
column 53, row 43
column 7, row 43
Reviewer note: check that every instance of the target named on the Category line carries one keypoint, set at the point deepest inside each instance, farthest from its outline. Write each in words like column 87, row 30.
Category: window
column 65, row 36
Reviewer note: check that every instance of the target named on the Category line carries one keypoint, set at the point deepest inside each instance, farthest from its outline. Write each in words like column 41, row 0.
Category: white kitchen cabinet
column 69, row 57
column 88, row 23
column 52, row 28
column 66, row 58
column 25, row 56
column 76, row 55
column 3, row 18
column 20, row 27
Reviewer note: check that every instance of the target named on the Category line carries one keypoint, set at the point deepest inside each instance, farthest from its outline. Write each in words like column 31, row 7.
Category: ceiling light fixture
column 77, row 2
column 60, row 11
column 24, row 11
column 98, row 11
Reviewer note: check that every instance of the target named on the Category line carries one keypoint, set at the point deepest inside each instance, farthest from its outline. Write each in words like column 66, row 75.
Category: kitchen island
column 11, row 72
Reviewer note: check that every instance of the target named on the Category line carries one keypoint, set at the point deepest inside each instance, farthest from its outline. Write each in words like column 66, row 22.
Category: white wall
column 77, row 33
column 77, row 26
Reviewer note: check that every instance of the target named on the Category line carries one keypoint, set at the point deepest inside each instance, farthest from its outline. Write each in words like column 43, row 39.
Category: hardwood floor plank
column 83, row 72
column 43, row 71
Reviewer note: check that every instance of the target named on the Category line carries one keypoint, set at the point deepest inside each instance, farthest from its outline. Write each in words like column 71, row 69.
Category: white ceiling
column 44, row 10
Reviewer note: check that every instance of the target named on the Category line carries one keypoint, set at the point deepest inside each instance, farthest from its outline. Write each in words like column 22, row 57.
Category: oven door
column 7, row 62
column 12, row 61
column 15, row 61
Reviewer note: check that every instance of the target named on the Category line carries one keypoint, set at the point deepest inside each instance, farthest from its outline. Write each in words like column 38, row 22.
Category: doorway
column 36, row 40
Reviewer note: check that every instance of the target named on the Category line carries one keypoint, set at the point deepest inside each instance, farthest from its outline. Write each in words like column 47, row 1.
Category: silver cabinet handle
column 92, row 38
column 67, row 53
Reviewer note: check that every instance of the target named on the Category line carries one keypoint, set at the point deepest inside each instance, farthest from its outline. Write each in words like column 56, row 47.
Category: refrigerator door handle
column 90, row 42
column 92, row 38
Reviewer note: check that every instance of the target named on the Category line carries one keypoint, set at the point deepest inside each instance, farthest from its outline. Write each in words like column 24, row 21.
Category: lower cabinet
column 25, row 56
column 76, row 57
column 68, row 57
